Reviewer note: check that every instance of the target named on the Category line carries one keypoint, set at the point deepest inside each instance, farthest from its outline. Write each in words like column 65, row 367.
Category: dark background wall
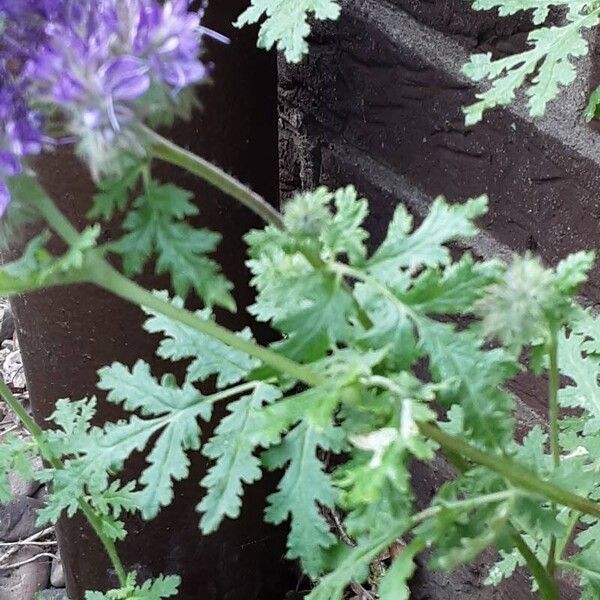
column 378, row 104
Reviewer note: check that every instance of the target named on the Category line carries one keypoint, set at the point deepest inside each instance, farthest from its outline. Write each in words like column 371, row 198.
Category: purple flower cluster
column 96, row 68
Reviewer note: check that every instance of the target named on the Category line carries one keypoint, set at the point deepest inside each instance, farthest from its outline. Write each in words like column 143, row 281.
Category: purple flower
column 96, row 69
column 20, row 131
column 112, row 64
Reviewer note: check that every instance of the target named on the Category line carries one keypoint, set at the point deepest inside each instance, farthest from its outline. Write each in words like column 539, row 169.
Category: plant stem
column 553, row 384
column 166, row 150
column 580, row 569
column 562, row 547
column 470, row 503
column 110, row 279
column 513, row 473
column 38, row 435
column 545, row 581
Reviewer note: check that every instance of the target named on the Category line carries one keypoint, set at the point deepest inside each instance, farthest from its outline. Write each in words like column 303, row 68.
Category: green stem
column 513, row 473
column 38, row 435
column 545, row 581
column 564, row 544
column 470, row 503
column 580, row 569
column 553, row 383
column 110, row 279
column 167, row 151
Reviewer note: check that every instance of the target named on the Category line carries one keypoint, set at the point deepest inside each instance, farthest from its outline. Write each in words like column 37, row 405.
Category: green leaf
column 157, row 589
column 426, row 246
column 394, row 585
column 453, row 290
column 15, row 456
column 92, row 455
column 114, row 192
column 286, row 23
column 583, row 370
column 343, row 234
column 210, row 356
column 591, row 111
column 457, row 356
column 232, row 447
column 504, row 568
column 573, row 271
column 312, row 330
column 548, row 61
column 176, row 411
column 354, row 564
column 540, row 8
column 37, row 268
column 156, row 224
column 302, row 489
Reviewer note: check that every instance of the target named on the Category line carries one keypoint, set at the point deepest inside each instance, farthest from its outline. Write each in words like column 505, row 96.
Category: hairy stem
column 38, row 435
column 110, row 279
column 553, row 383
column 566, row 540
column 515, row 474
column 167, row 151
column 545, row 581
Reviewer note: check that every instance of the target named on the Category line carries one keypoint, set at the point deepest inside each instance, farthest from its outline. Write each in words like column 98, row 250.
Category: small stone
column 57, row 574
column 7, row 325
column 26, row 581
column 21, row 487
column 18, row 519
column 52, row 594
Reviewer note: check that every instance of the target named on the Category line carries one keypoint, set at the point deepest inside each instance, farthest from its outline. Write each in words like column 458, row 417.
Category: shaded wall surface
column 378, row 103
column 67, row 334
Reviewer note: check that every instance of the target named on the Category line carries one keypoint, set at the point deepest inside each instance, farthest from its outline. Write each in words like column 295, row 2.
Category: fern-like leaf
column 302, row 489
column 210, row 357
column 233, row 449
column 286, row 23
column 548, row 61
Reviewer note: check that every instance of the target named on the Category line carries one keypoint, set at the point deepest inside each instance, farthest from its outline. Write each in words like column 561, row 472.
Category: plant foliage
column 544, row 68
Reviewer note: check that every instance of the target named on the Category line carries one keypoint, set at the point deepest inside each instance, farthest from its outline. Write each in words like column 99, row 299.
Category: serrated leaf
column 573, row 271
column 37, row 268
column 232, row 447
column 15, row 456
column 286, row 23
column 343, row 234
column 176, row 410
column 114, row 192
column 156, row 589
column 137, row 389
column 314, row 329
column 156, row 225
column 457, row 356
column 549, row 61
column 302, row 489
column 394, row 585
column 453, row 290
column 210, row 356
column 584, row 372
column 426, row 246
column 540, row 8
